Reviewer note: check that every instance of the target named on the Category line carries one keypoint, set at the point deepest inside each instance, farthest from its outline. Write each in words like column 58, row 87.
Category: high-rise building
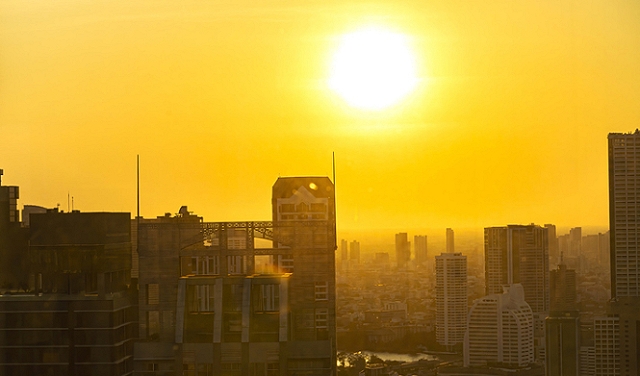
column 420, row 249
column 518, row 254
column 403, row 250
column 450, row 245
column 80, row 316
column 606, row 338
column 563, row 295
column 624, row 221
column 344, row 250
column 354, row 252
column 451, row 298
column 554, row 255
column 242, row 298
column 563, row 344
column 500, row 330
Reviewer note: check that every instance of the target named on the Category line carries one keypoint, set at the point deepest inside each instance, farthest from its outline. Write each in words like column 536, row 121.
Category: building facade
column 563, row 344
column 500, row 330
column 241, row 298
column 403, row 250
column 518, row 254
column 451, row 298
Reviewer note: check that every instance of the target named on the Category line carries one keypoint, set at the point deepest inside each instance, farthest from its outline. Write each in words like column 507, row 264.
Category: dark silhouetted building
column 79, row 316
column 13, row 240
column 563, row 295
column 420, row 248
column 241, row 298
column 563, row 344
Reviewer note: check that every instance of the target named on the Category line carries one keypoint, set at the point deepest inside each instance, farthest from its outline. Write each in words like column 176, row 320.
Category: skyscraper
column 554, row 255
column 563, row 295
column 624, row 221
column 518, row 254
column 354, row 252
column 563, row 344
column 500, row 330
column 450, row 246
column 403, row 250
column 420, row 249
column 451, row 298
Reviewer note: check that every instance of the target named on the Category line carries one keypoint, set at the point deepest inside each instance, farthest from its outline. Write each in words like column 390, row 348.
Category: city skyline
column 507, row 124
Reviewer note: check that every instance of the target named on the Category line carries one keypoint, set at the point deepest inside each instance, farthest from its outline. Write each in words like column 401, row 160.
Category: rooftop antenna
column 335, row 215
column 68, row 202
column 138, row 188
column 72, row 203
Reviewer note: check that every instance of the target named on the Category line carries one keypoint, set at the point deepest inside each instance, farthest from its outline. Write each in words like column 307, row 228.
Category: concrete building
column 563, row 296
column 354, row 252
column 500, row 330
column 420, row 250
column 450, row 245
column 518, row 254
column 606, row 337
column 554, row 254
column 241, row 298
column 79, row 315
column 563, row 344
column 13, row 239
column 451, row 298
column 403, row 250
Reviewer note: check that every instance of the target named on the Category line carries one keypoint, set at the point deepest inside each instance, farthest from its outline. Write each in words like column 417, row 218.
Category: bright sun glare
column 373, row 69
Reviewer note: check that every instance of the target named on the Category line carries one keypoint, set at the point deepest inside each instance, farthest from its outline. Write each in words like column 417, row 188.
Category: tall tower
column 518, row 254
column 354, row 252
column 450, row 246
column 403, row 250
column 563, row 295
column 624, row 226
column 420, row 249
column 451, row 298
column 624, row 221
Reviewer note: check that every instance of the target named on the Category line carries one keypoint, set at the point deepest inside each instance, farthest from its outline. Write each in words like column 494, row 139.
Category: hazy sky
column 508, row 124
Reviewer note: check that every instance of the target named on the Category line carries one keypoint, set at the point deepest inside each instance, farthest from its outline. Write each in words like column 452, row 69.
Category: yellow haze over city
column 503, row 120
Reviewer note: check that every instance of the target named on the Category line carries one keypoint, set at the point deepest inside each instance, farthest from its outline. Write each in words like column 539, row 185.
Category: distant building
column 554, row 254
column 242, row 298
column 563, row 344
column 420, row 248
column 354, row 249
column 403, row 250
column 563, row 295
column 451, row 298
column 344, row 250
column 500, row 330
column 518, row 254
column 450, row 245
column 79, row 317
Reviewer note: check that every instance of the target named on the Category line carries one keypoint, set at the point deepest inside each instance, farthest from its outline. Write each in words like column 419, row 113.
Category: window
column 236, row 265
column 266, row 298
column 153, row 293
column 205, row 265
column 204, row 298
column 322, row 290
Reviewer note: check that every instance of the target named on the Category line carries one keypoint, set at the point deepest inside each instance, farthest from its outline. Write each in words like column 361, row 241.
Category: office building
column 354, row 252
column 606, row 338
column 554, row 254
column 450, row 245
column 500, row 330
column 563, row 296
column 403, row 250
column 13, row 239
column 451, row 298
column 563, row 344
column 518, row 254
column 79, row 315
column 420, row 250
column 242, row 298
column 344, row 250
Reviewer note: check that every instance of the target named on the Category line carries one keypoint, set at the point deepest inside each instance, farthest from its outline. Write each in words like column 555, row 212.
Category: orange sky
column 508, row 124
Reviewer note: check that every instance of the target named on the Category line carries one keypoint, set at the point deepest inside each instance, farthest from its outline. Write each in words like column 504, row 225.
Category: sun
column 373, row 69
